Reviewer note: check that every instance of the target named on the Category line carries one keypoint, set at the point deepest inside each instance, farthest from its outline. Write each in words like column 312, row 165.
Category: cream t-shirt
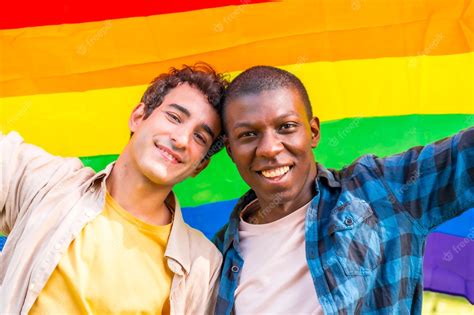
column 275, row 278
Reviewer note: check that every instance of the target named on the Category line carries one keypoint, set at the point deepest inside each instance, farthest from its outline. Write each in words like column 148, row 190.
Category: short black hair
column 201, row 76
column 263, row 78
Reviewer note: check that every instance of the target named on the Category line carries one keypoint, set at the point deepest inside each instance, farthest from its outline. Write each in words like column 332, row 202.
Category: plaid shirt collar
column 232, row 232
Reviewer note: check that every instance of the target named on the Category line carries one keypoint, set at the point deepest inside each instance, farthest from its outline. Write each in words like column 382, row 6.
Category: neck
column 137, row 194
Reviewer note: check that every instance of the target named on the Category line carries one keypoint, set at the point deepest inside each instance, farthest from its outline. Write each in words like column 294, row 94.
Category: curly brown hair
column 201, row 76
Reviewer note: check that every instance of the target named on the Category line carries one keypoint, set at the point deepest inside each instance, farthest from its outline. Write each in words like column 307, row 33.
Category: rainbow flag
column 382, row 76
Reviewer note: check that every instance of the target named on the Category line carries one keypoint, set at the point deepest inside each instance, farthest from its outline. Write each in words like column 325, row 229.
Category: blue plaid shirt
column 366, row 227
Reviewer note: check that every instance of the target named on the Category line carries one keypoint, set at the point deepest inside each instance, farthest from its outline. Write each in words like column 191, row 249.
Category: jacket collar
column 178, row 247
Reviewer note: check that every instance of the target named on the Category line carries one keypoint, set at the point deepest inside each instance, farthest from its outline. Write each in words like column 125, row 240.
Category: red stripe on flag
column 17, row 14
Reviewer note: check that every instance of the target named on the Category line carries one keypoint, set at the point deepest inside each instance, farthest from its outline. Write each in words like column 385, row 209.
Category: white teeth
column 276, row 172
column 169, row 156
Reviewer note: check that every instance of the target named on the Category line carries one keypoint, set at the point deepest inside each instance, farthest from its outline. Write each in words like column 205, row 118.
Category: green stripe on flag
column 342, row 142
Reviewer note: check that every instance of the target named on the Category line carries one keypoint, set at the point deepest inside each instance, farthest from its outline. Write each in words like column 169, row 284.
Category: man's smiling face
column 170, row 144
column 270, row 139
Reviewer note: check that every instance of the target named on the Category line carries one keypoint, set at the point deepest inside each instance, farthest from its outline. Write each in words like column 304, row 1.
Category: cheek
column 158, row 124
column 139, row 142
column 144, row 130
column 299, row 146
column 196, row 153
column 166, row 126
column 242, row 156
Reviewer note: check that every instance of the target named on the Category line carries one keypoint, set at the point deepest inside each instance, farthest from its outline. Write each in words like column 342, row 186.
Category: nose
column 269, row 146
column 180, row 139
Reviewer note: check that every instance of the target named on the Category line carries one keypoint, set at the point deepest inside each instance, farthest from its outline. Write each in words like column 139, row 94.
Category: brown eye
column 173, row 117
column 246, row 134
column 288, row 126
column 200, row 138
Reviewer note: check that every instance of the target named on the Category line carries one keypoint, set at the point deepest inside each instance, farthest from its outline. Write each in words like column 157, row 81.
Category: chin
column 282, row 192
column 158, row 177
column 157, row 180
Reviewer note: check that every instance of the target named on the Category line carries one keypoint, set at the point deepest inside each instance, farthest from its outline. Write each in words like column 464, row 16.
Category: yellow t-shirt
column 116, row 265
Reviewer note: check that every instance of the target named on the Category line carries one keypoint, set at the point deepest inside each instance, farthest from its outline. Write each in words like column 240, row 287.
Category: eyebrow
column 181, row 109
column 249, row 124
column 187, row 113
column 208, row 130
column 290, row 113
column 242, row 124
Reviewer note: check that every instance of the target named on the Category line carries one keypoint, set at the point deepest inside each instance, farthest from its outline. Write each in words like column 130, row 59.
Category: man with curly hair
column 114, row 242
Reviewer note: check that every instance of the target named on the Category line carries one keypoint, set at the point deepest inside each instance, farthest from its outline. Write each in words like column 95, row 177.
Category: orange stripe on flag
column 132, row 51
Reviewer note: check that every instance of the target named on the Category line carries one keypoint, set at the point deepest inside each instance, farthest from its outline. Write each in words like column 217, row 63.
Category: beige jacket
column 45, row 201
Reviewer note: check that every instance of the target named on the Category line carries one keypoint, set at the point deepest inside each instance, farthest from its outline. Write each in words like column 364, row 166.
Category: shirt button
column 348, row 221
column 235, row 268
column 57, row 246
column 90, row 213
column 32, row 286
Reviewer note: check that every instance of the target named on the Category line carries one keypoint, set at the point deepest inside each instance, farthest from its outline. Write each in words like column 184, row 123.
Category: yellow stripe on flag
column 95, row 122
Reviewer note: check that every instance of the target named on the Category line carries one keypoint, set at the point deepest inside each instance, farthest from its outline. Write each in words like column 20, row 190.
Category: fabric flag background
column 382, row 76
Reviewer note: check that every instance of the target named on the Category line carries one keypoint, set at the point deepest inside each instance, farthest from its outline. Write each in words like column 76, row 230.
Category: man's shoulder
column 362, row 164
column 200, row 245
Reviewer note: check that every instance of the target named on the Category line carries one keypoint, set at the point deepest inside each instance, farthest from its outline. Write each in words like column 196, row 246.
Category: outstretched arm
column 26, row 174
column 433, row 183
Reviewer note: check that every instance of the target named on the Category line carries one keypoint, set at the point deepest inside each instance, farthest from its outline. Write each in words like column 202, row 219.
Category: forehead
column 266, row 104
column 188, row 95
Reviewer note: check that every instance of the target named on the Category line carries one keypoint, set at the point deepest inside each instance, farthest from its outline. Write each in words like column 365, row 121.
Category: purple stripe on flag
column 449, row 264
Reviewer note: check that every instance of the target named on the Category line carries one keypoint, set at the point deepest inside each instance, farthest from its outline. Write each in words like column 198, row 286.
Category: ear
column 204, row 163
column 136, row 118
column 227, row 147
column 315, row 131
